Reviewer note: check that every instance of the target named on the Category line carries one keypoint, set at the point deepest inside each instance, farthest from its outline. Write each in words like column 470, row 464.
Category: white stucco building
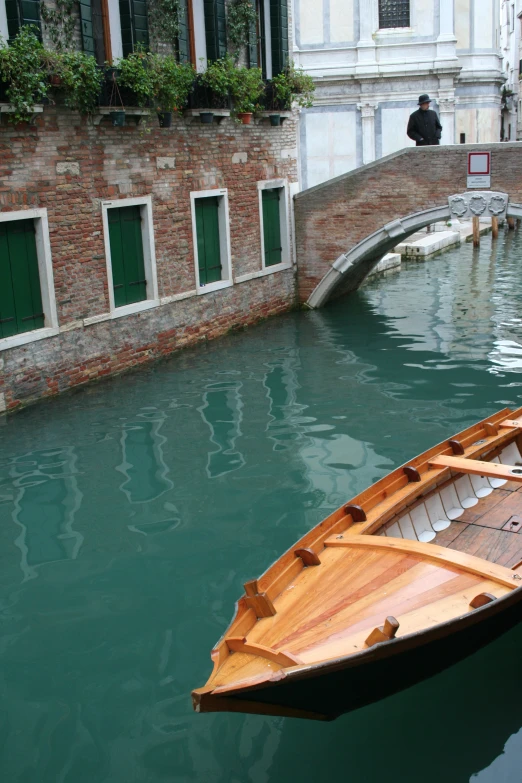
column 371, row 59
column 510, row 28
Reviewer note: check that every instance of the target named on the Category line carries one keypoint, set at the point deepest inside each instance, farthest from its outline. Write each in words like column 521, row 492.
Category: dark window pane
column 394, row 13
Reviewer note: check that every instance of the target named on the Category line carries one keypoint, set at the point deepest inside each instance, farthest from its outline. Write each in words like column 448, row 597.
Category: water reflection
column 222, row 411
column 45, row 505
column 242, row 446
column 142, row 463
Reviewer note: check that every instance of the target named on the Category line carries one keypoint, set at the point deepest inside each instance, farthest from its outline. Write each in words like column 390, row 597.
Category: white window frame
column 265, row 9
column 284, row 222
column 45, row 271
column 224, row 239
column 149, row 255
column 115, row 30
column 200, row 41
column 4, row 30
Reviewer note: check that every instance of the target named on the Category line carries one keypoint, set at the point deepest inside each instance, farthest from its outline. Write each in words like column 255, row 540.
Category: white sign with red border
column 479, row 169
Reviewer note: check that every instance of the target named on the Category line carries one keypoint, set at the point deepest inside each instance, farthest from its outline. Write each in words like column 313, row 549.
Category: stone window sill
column 27, row 337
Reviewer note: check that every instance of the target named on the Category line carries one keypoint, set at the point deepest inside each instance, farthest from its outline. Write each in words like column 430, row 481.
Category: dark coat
column 424, row 127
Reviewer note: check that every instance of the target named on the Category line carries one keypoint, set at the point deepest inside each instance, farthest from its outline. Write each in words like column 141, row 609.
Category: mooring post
column 494, row 227
column 476, row 232
column 511, row 223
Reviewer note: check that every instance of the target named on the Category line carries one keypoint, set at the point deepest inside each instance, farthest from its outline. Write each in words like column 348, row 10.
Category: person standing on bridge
column 424, row 126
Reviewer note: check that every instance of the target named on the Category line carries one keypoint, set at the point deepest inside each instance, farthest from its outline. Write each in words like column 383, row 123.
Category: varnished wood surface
column 478, row 467
column 324, row 598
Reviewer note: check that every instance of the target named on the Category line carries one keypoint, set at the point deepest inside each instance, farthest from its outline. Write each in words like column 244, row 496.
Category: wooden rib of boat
column 412, row 575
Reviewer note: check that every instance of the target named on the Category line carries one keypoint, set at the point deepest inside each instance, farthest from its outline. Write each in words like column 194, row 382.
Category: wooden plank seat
column 493, row 469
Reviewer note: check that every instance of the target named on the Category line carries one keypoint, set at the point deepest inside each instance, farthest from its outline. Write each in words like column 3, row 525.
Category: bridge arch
column 351, row 268
column 346, row 225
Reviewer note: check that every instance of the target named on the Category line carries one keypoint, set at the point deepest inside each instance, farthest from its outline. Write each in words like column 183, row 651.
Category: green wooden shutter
column 86, row 26
column 272, row 226
column 128, row 268
column 134, row 25
column 215, row 29
column 207, row 231
column 253, row 60
column 183, row 35
column 22, row 12
column 20, row 293
column 279, row 35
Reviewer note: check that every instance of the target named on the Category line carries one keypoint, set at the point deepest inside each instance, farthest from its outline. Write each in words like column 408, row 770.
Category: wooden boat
column 410, row 576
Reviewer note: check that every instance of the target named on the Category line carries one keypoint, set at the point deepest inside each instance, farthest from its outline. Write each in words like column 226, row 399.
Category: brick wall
column 330, row 219
column 68, row 166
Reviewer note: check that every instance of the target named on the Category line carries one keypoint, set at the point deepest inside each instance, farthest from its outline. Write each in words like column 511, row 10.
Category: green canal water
column 132, row 512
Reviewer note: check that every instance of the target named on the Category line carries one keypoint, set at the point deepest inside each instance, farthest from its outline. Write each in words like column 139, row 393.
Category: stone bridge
column 345, row 225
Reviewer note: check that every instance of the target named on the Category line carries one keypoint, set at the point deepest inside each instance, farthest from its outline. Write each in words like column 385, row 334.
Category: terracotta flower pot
column 245, row 117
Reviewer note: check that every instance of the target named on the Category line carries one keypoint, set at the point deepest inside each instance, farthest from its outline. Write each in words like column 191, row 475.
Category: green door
column 207, row 230
column 20, row 295
column 128, row 269
column 272, row 227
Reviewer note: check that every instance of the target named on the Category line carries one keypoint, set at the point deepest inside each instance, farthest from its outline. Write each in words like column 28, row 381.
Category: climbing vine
column 59, row 22
column 165, row 18
column 241, row 18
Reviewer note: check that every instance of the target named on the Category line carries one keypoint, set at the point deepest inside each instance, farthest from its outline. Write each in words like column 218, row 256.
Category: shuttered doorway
column 272, row 226
column 128, row 268
column 20, row 293
column 207, row 231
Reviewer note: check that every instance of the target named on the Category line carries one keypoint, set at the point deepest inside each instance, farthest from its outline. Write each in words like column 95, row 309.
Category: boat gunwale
column 322, row 531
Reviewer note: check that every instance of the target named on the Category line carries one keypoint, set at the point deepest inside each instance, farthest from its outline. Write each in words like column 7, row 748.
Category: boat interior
column 430, row 542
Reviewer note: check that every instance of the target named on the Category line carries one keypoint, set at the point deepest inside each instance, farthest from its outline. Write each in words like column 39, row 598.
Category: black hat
column 424, row 99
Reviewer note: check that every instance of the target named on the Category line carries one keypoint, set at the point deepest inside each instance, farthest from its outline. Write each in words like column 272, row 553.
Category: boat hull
column 324, row 691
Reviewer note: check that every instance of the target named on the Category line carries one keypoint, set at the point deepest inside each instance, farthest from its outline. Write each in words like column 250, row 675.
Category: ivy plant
column 22, row 70
column 134, row 72
column 218, row 76
column 241, row 18
column 59, row 22
column 247, row 87
column 171, row 82
column 82, row 81
column 165, row 18
column 293, row 85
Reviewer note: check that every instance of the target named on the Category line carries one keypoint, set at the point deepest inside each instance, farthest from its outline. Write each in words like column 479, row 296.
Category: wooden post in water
column 494, row 227
column 511, row 223
column 476, row 232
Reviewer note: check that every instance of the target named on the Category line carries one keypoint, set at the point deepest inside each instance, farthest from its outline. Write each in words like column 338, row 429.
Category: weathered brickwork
column 330, row 219
column 69, row 166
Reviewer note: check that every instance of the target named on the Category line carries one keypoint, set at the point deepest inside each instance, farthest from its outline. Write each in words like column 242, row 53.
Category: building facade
column 371, row 59
column 510, row 28
column 119, row 245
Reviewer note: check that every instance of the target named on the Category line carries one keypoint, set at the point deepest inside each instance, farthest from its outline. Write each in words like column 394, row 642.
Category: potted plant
column 247, row 87
column 22, row 70
column 214, row 85
column 171, row 84
column 81, row 81
column 133, row 74
column 290, row 86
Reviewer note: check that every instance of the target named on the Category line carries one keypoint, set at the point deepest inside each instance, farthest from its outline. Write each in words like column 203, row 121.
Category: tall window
column 20, row 13
column 21, row 307
column 394, row 13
